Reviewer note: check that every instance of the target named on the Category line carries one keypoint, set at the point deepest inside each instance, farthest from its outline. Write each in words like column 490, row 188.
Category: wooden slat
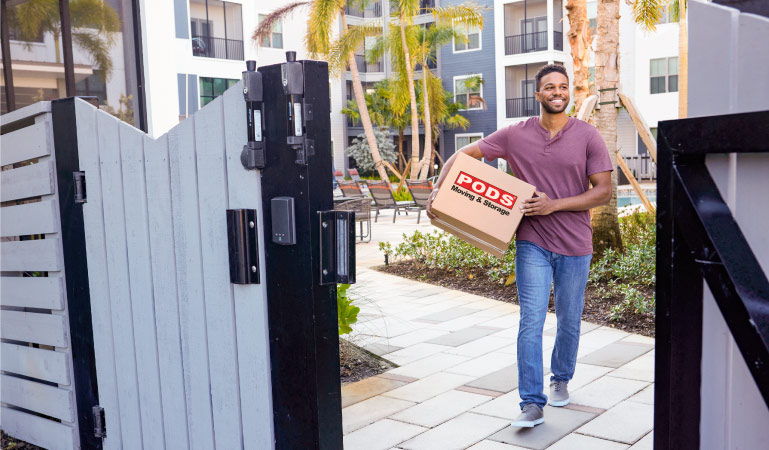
column 47, row 365
column 245, row 191
column 34, row 255
column 163, row 264
column 28, row 181
column 640, row 125
column 192, row 315
column 26, row 143
column 37, row 430
column 38, row 397
column 29, row 218
column 140, row 277
column 33, row 292
column 26, row 112
column 220, row 315
column 119, row 285
column 47, row 329
column 98, row 284
column 588, row 105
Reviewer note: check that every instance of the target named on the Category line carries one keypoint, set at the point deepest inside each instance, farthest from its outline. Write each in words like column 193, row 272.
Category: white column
column 550, row 26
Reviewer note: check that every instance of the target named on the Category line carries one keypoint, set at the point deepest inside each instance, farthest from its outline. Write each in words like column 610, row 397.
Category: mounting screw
column 253, row 269
column 325, row 224
column 325, row 272
column 251, row 224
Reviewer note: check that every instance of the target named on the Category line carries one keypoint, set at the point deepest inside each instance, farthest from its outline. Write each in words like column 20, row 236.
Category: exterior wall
column 733, row 413
column 464, row 63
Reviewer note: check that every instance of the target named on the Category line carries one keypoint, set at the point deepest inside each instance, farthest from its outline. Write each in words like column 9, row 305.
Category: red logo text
column 486, row 190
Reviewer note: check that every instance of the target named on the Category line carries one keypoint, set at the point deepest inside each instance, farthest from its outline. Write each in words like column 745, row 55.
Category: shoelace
column 557, row 386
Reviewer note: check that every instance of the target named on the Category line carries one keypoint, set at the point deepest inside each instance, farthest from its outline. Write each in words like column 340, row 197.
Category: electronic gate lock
column 292, row 74
column 243, row 246
column 337, row 247
column 253, row 156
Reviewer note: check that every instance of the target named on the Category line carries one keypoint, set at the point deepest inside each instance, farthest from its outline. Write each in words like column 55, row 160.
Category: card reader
column 283, row 224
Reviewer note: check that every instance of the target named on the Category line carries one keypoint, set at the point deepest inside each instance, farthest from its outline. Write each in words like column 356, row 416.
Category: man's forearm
column 588, row 200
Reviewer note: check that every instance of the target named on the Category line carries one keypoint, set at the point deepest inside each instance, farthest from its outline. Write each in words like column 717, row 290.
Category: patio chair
column 420, row 192
column 382, row 194
column 350, row 189
column 354, row 175
column 338, row 176
column 362, row 209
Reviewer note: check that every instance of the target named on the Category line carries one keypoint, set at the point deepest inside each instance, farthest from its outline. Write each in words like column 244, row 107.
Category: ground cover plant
column 620, row 290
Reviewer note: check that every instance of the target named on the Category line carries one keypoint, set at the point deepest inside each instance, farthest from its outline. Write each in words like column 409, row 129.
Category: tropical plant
column 360, row 152
column 125, row 111
column 606, row 233
column 647, row 13
column 339, row 53
column 580, row 40
column 444, row 112
column 94, row 24
column 347, row 313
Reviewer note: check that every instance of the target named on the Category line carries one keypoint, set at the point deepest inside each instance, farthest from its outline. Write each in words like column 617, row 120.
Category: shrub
column 346, row 312
column 402, row 194
column 360, row 152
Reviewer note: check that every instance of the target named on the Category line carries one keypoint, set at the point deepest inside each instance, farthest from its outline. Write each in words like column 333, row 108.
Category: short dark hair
column 550, row 68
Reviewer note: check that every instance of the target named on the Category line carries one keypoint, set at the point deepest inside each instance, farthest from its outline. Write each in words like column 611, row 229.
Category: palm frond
column 323, row 14
column 349, row 42
column 647, row 13
column 265, row 25
column 98, row 47
column 466, row 14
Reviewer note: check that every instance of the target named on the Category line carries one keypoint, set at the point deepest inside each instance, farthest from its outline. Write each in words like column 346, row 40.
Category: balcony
column 213, row 47
column 367, row 67
column 532, row 42
column 521, row 107
column 372, row 11
column 526, row 27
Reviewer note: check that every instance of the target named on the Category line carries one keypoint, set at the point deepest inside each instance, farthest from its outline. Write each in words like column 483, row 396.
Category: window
column 275, row 39
column 210, row 88
column 93, row 85
column 663, row 75
column 667, row 15
column 462, row 140
column 468, row 92
column 473, row 42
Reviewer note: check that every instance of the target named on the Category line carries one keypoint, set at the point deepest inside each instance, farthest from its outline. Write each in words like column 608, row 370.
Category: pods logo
column 486, row 190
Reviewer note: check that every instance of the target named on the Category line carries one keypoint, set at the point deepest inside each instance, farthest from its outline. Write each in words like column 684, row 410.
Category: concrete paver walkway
column 456, row 387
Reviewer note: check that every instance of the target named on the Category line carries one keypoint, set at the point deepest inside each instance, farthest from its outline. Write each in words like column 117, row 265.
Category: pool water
column 633, row 199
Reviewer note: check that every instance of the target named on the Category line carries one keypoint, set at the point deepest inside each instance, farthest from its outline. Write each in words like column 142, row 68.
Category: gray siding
column 181, row 19
column 482, row 62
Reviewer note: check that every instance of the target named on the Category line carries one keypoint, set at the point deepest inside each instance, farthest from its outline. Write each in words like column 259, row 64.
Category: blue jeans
column 536, row 270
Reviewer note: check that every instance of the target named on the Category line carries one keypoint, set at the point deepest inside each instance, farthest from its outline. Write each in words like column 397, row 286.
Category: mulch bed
column 9, row 443
column 356, row 364
column 597, row 306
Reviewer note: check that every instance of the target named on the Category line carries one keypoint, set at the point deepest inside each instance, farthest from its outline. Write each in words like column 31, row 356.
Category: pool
column 625, row 199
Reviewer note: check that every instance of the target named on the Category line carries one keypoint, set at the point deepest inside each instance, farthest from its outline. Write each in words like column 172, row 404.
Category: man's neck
column 553, row 122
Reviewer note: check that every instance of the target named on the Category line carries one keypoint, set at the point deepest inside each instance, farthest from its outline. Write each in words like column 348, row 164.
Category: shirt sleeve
column 598, row 159
column 494, row 145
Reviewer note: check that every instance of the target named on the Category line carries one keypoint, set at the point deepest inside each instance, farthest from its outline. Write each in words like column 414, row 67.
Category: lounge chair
column 420, row 192
column 382, row 194
column 350, row 189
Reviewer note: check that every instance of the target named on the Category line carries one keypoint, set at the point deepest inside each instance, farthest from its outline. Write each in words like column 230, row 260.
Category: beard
column 546, row 106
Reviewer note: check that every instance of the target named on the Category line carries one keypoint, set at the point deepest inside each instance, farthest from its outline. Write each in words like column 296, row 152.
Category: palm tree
column 340, row 53
column 604, row 219
column 444, row 112
column 647, row 13
column 94, row 24
column 580, row 39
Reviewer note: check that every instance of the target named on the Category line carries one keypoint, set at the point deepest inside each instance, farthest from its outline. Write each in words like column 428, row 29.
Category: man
column 559, row 156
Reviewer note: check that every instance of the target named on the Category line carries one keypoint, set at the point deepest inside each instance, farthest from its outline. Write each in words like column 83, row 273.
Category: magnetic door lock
column 253, row 154
column 243, row 246
column 298, row 112
column 337, row 247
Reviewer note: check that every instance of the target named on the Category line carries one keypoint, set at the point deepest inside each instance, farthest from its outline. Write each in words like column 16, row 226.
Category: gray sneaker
column 559, row 393
column 531, row 415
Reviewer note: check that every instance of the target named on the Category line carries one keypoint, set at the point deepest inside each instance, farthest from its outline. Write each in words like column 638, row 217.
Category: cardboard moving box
column 480, row 204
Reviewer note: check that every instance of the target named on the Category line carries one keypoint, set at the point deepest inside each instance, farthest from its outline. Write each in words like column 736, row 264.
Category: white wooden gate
column 181, row 354
column 37, row 367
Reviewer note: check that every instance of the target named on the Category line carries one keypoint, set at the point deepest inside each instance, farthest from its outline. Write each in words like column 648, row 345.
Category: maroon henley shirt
column 560, row 168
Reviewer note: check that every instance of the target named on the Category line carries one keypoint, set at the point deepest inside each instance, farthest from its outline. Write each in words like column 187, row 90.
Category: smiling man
column 561, row 156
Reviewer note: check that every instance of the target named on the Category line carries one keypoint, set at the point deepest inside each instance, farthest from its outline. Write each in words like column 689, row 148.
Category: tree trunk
column 401, row 158
column 413, row 96
column 604, row 218
column 579, row 39
column 360, row 98
column 428, row 124
column 683, row 61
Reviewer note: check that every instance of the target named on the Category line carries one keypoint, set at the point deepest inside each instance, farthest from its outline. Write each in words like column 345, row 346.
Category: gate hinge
column 80, row 193
column 99, row 424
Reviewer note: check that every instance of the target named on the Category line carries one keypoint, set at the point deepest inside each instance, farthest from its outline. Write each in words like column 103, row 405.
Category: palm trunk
column 360, row 99
column 428, row 123
column 605, row 222
column 401, row 158
column 413, row 97
column 579, row 41
column 683, row 61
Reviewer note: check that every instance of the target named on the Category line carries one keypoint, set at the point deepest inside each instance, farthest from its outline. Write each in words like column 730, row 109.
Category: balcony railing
column 522, row 107
column 373, row 11
column 526, row 43
column 430, row 63
column 213, row 47
column 364, row 66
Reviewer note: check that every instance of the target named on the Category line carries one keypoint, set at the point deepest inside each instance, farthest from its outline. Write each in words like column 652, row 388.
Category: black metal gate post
column 304, row 341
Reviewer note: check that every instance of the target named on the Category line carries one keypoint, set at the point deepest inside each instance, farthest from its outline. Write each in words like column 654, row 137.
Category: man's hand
column 429, row 207
column 539, row 205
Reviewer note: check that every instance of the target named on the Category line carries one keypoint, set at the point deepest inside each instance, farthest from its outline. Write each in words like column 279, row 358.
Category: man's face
column 553, row 92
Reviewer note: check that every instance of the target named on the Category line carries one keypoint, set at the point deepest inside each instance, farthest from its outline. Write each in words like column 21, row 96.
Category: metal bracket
column 80, row 192
column 99, row 423
column 253, row 157
column 243, row 246
column 615, row 102
column 337, row 247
